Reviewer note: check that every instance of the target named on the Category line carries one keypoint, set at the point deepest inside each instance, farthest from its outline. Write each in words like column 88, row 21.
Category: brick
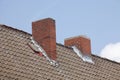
column 44, row 33
column 81, row 42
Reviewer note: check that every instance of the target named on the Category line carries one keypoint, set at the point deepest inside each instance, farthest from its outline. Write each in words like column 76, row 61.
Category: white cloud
column 111, row 51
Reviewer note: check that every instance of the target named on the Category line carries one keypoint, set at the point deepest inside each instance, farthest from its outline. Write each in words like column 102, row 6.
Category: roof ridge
column 106, row 59
column 2, row 25
column 91, row 54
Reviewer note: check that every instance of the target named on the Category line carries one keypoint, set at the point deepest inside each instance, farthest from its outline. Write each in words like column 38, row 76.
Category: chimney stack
column 81, row 42
column 44, row 32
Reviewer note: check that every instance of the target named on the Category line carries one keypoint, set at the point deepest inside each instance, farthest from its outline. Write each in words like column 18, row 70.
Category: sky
column 97, row 19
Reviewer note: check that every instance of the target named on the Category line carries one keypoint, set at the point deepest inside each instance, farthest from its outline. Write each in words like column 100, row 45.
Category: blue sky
column 98, row 19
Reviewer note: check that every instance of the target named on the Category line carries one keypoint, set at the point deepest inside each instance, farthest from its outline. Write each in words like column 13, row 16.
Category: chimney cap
column 44, row 19
column 83, row 36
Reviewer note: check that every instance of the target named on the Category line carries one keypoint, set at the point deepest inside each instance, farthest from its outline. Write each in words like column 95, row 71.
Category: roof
column 19, row 62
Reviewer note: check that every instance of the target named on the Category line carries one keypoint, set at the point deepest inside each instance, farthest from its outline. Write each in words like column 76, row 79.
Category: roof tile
column 18, row 61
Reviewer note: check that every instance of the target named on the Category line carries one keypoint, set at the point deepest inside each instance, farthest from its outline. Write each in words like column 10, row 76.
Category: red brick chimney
column 81, row 42
column 44, row 32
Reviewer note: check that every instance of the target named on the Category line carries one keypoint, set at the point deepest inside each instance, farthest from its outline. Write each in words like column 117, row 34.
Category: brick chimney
column 81, row 42
column 44, row 32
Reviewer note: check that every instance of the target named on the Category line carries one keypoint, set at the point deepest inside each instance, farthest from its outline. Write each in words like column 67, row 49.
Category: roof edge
column 105, row 59
column 91, row 54
column 14, row 29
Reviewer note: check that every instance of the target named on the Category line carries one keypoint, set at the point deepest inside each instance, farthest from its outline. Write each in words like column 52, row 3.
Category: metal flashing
column 37, row 48
column 85, row 58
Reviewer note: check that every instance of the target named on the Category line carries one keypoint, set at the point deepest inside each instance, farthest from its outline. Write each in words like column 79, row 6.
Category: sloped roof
column 19, row 62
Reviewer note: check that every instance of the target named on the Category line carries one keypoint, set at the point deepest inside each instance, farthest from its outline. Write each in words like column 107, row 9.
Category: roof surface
column 19, row 62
